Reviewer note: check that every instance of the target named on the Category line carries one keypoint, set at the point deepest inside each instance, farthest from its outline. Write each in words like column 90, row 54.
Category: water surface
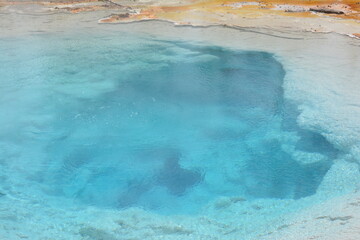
column 128, row 121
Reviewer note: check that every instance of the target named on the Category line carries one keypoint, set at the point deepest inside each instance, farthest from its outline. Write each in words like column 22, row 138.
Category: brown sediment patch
column 114, row 18
column 83, row 9
column 90, row 6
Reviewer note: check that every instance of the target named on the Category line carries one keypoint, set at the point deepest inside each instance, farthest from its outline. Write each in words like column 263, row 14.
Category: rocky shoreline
column 324, row 16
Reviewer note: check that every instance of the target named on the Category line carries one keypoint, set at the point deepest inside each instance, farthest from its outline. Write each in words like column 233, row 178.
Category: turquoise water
column 118, row 121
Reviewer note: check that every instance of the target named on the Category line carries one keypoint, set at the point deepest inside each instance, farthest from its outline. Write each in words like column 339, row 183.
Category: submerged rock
column 177, row 179
column 96, row 234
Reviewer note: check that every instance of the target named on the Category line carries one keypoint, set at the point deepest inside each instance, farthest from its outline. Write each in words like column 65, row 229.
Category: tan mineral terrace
column 323, row 69
column 340, row 16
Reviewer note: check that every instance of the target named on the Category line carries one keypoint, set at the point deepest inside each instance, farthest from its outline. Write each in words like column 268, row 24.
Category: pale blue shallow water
column 119, row 121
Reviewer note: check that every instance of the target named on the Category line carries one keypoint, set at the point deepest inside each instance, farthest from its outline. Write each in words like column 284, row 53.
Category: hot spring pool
column 168, row 126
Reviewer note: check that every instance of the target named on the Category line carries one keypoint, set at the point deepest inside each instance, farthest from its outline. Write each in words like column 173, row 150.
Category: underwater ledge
column 326, row 93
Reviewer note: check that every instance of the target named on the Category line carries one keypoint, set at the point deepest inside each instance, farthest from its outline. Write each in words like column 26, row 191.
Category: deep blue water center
column 166, row 126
